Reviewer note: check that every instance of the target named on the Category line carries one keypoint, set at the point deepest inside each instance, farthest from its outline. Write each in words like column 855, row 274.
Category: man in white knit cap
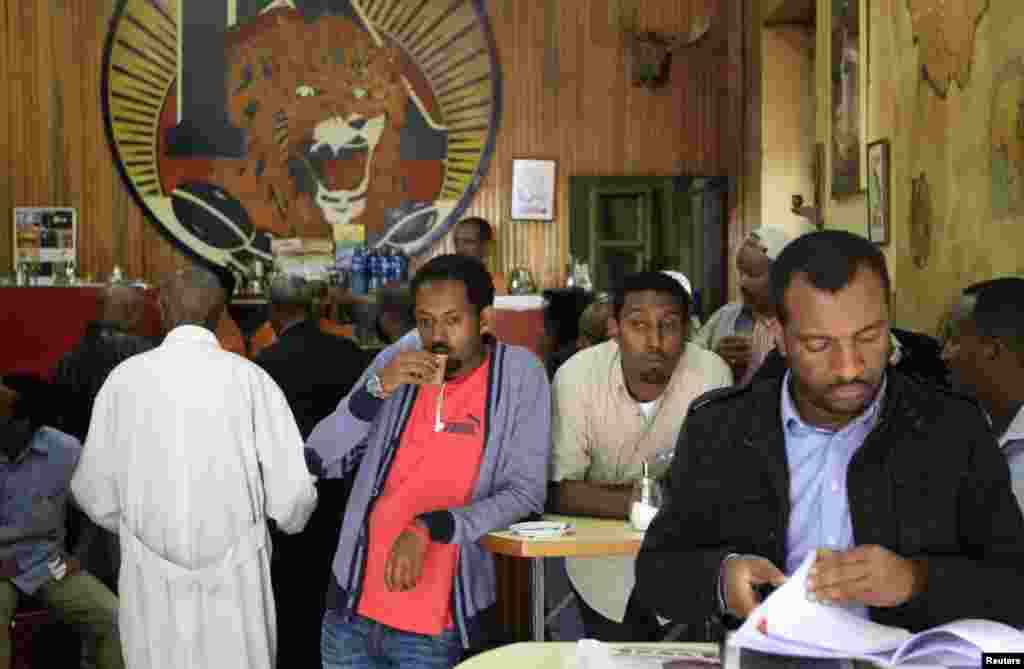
column 740, row 331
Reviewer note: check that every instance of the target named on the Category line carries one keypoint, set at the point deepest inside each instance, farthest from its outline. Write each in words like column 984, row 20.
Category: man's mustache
column 849, row 384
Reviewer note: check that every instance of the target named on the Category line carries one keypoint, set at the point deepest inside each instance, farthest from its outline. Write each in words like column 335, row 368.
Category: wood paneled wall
column 51, row 124
column 565, row 96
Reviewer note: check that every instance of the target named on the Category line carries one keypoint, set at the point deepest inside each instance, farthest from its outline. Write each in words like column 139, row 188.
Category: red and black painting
column 336, row 122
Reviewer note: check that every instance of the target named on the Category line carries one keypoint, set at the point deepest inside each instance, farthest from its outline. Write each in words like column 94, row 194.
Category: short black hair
column 486, row 234
column 397, row 300
column 999, row 311
column 451, row 267
column 656, row 281
column 36, row 400
column 829, row 259
column 562, row 310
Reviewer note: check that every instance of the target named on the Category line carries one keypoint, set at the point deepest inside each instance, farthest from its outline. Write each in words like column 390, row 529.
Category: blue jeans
column 362, row 643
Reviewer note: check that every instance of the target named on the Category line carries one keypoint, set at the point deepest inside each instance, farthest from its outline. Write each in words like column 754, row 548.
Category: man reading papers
column 899, row 487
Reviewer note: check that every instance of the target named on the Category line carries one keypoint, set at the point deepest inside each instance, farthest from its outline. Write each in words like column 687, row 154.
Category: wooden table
column 553, row 655
column 591, row 537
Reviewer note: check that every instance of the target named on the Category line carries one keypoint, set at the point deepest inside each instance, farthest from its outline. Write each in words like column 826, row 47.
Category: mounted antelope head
column 649, row 54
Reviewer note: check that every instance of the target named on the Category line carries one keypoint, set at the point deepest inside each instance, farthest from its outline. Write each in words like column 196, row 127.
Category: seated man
column 37, row 463
column 617, row 405
column 593, row 323
column 314, row 370
column 985, row 354
column 452, row 440
column 562, row 311
column 740, row 331
column 592, row 330
column 897, row 486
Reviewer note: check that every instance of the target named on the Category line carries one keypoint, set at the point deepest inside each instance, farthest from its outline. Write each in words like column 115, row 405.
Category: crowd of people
column 186, row 507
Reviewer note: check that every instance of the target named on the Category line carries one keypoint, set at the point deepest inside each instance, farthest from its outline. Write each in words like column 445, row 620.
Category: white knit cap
column 772, row 239
column 681, row 278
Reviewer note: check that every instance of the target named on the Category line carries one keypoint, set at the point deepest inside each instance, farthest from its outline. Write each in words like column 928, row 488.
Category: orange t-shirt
column 432, row 470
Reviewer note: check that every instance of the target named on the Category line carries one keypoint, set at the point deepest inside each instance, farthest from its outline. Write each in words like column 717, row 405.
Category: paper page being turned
column 786, row 623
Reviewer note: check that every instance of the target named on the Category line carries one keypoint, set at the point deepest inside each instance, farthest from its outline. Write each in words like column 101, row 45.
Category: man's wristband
column 375, row 387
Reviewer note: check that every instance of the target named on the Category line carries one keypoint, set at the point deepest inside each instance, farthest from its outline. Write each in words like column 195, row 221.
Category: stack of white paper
column 786, row 623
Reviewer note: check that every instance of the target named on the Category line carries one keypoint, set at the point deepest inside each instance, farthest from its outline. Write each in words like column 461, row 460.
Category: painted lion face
column 322, row 106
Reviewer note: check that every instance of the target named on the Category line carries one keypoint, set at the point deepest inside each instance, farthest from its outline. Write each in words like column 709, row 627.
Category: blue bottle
column 359, row 272
column 393, row 268
column 373, row 264
column 403, row 266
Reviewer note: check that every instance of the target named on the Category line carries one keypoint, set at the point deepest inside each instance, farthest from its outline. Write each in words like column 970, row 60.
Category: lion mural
column 323, row 108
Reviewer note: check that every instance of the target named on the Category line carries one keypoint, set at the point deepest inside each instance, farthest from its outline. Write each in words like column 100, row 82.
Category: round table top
column 521, row 655
column 549, row 655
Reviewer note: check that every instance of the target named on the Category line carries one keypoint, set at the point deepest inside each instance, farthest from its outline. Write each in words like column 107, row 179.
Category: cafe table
column 589, row 537
column 558, row 655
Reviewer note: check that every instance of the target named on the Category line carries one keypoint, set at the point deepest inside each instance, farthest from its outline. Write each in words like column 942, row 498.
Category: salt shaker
column 644, row 501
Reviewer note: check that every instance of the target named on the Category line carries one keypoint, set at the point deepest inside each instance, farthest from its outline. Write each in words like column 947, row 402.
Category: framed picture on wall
column 533, row 190
column 879, row 180
column 46, row 238
column 847, row 69
column 819, row 177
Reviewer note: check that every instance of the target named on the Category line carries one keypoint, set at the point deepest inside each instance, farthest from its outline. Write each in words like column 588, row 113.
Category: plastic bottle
column 359, row 259
column 403, row 267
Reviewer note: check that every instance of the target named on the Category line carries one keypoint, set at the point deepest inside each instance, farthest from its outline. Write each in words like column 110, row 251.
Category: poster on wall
column 846, row 69
column 879, row 180
column 1006, row 128
column 533, row 190
column 46, row 238
column 246, row 126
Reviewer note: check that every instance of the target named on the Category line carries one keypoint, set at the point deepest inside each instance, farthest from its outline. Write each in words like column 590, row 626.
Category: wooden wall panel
column 565, row 96
column 587, row 116
column 56, row 147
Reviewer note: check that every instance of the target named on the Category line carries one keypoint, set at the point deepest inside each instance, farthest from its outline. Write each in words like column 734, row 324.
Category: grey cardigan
column 512, row 482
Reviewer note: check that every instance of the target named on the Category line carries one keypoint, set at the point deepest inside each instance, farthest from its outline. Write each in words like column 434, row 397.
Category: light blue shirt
column 1012, row 443
column 818, row 461
column 34, row 493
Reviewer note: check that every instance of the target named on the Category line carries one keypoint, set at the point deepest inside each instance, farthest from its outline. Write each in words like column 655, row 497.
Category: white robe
column 171, row 463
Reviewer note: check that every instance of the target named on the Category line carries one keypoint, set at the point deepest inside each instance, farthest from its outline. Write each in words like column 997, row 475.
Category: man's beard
column 655, row 377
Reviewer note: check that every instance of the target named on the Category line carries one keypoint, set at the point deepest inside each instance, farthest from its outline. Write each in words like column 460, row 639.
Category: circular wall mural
column 251, row 128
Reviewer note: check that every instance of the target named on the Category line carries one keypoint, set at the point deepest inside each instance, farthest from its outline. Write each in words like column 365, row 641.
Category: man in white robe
column 190, row 448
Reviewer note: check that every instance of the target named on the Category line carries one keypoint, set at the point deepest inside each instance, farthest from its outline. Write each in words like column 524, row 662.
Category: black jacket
column 314, row 369
column 81, row 373
column 929, row 481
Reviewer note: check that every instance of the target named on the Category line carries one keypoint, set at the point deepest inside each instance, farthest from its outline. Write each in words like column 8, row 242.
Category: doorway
column 622, row 224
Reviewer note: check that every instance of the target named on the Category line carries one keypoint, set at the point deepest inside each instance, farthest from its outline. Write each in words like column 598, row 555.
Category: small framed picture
column 878, row 191
column 533, row 190
column 45, row 237
column 819, row 176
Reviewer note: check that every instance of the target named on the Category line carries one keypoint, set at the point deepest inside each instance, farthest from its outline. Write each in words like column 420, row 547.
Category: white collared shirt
column 601, row 434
